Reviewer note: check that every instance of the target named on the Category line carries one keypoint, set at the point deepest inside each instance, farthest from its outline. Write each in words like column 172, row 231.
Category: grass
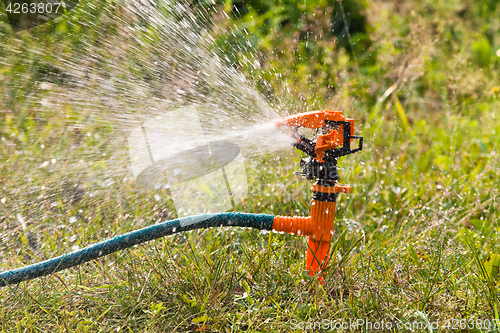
column 412, row 241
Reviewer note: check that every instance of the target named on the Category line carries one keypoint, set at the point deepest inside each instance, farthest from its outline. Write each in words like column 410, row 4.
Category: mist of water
column 160, row 58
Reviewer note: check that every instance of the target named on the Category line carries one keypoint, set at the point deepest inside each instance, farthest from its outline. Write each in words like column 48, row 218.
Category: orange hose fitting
column 318, row 227
column 296, row 225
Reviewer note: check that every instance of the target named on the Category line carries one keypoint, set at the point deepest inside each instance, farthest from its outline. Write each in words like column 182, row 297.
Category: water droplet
column 46, row 86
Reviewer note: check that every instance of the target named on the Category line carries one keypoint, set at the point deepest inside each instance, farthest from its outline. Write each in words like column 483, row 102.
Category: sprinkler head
column 332, row 140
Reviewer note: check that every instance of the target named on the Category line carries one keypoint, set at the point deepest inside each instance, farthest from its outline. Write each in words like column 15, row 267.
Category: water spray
column 333, row 134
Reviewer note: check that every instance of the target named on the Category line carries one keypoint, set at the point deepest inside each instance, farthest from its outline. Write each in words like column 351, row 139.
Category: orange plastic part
column 318, row 254
column 312, row 119
column 338, row 188
column 334, row 115
column 327, row 142
column 318, row 227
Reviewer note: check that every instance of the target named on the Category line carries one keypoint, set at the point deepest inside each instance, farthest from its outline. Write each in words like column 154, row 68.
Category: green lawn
column 412, row 241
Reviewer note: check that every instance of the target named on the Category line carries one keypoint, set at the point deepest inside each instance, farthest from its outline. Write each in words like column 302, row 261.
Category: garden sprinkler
column 332, row 140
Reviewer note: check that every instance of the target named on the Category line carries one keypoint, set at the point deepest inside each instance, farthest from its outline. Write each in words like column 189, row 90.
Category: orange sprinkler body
column 321, row 166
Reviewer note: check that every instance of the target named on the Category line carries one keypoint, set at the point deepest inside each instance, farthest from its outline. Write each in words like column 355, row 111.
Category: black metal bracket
column 310, row 168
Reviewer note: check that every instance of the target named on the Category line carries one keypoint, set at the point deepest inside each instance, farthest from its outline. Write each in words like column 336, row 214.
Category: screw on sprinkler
column 337, row 133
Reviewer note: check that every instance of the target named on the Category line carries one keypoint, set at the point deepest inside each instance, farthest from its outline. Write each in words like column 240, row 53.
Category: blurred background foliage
column 318, row 51
column 299, row 42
